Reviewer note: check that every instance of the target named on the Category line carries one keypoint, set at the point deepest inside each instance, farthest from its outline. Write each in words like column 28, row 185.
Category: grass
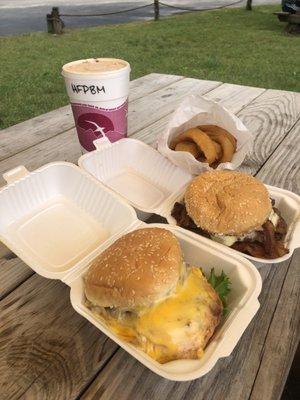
column 230, row 45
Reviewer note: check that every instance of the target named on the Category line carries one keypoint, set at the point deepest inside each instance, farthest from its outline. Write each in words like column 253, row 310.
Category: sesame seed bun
column 227, row 202
column 138, row 269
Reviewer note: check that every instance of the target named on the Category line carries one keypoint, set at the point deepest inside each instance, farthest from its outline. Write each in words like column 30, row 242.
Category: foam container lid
column 152, row 184
column 137, row 172
column 58, row 218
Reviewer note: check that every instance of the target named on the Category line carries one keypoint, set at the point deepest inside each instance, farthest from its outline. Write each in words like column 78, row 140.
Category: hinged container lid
column 136, row 171
column 58, row 218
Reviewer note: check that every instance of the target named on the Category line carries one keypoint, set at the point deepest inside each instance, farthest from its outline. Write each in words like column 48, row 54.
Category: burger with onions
column 234, row 209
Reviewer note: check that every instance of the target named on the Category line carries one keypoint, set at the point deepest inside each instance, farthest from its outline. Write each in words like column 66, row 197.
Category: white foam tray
column 243, row 305
column 288, row 204
column 137, row 172
column 151, row 184
column 59, row 218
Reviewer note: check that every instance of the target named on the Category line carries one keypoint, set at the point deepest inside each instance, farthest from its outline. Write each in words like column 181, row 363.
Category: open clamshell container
column 58, row 219
column 152, row 184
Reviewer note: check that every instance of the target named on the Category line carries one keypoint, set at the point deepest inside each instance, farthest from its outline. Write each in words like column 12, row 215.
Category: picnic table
column 48, row 351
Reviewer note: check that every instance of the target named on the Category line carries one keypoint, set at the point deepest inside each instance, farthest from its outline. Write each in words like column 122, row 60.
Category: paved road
column 23, row 16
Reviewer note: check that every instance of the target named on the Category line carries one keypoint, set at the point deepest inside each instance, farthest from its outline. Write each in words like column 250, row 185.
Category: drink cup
column 98, row 91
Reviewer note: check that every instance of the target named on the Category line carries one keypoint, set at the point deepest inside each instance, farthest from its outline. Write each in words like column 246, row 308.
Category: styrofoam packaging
column 152, row 184
column 99, row 99
column 288, row 203
column 243, row 305
column 196, row 110
column 59, row 218
column 137, row 172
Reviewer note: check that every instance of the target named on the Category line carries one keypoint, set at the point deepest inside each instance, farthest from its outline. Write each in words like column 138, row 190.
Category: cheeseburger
column 149, row 297
column 234, row 209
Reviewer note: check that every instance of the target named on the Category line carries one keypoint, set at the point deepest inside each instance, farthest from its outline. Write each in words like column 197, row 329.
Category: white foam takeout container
column 152, row 184
column 58, row 218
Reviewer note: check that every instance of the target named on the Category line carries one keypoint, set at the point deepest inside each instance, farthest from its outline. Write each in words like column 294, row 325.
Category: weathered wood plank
column 26, row 134
column 150, row 83
column 147, row 110
column 12, row 273
column 282, row 170
column 64, row 147
column 47, row 350
column 269, row 118
column 283, row 167
column 233, row 97
column 282, row 339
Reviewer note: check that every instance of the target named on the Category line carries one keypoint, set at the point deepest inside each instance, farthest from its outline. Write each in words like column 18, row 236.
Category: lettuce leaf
column 221, row 283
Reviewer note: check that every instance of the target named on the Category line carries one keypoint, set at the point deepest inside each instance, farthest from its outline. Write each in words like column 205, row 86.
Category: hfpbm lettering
column 93, row 89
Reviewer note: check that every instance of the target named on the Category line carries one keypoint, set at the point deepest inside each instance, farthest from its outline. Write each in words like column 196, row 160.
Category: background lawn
column 231, row 45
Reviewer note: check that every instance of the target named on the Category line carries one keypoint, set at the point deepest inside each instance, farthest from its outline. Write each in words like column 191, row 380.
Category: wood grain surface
column 48, row 351
column 283, row 166
column 270, row 117
column 233, row 97
column 282, row 338
column 13, row 272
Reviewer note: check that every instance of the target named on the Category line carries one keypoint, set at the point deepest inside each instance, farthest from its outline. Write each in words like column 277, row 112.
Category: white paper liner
column 196, row 110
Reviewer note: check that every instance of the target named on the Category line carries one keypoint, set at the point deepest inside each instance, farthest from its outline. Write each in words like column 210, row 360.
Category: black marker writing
column 93, row 89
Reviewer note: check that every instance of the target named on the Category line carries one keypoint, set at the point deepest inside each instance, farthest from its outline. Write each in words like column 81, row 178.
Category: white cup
column 99, row 98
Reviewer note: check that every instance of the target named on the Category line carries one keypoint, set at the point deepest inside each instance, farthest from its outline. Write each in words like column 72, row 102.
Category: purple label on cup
column 94, row 122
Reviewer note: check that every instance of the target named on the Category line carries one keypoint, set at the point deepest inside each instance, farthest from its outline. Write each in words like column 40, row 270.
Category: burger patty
column 265, row 243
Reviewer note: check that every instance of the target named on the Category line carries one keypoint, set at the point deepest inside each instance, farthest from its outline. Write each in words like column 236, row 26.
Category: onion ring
column 217, row 129
column 189, row 147
column 219, row 150
column 201, row 139
column 227, row 146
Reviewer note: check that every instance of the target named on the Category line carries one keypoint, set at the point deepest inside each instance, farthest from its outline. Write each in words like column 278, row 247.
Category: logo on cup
column 98, row 123
column 92, row 126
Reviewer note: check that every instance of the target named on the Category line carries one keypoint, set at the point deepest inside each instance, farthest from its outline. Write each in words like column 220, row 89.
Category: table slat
column 283, row 167
column 282, row 338
column 13, row 272
column 269, row 118
column 146, row 111
column 233, row 97
column 47, row 351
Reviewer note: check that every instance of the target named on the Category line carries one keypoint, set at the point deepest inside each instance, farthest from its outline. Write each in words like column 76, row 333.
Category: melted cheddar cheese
column 176, row 327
